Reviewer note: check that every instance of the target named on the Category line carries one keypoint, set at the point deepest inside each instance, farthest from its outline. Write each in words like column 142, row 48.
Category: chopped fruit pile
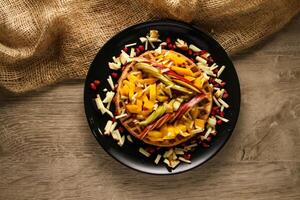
column 169, row 95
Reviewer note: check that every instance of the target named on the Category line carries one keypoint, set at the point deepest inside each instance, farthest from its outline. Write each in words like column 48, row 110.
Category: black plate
column 128, row 154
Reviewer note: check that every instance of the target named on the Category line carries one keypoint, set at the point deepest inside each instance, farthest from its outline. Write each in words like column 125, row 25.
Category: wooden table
column 48, row 152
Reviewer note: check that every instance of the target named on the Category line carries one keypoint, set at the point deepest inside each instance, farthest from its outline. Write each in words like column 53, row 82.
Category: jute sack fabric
column 44, row 42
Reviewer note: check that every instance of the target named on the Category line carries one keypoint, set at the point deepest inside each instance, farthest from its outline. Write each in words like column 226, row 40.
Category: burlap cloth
column 43, row 42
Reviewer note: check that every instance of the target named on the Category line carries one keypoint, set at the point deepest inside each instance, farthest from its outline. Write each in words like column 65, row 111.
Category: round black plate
column 128, row 154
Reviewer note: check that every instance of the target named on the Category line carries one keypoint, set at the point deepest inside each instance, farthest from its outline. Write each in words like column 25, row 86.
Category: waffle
column 130, row 121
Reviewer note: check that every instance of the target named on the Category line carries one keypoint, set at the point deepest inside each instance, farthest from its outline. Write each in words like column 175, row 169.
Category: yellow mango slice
column 132, row 78
column 190, row 78
column 181, row 127
column 155, row 134
column 182, row 71
column 164, row 129
column 147, row 81
column 139, row 103
column 132, row 108
column 198, row 82
column 124, row 90
column 152, row 92
column 162, row 98
column 148, row 105
column 131, row 89
column 177, row 60
column 185, row 134
column 170, row 108
column 199, row 123
column 146, row 112
column 154, row 139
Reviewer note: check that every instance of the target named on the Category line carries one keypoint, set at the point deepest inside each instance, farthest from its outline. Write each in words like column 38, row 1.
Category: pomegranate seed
column 150, row 150
column 212, row 81
column 187, row 156
column 210, row 61
column 215, row 71
column 197, row 53
column 114, row 75
column 170, row 46
column 208, row 139
column 190, row 52
column 216, row 85
column 213, row 112
column 221, row 114
column 141, row 48
column 125, row 49
column 202, row 52
column 223, row 84
column 225, row 95
column 96, row 82
column 215, row 108
column 204, row 145
column 137, row 51
column 93, row 86
column 121, row 129
column 113, row 120
column 219, row 122
column 168, row 40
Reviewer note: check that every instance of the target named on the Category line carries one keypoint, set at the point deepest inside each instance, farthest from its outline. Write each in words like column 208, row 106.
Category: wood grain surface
column 48, row 152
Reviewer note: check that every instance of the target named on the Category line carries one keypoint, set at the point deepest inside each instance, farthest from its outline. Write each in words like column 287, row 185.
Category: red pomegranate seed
column 114, row 75
column 223, row 84
column 210, row 61
column 225, row 95
column 202, row 52
column 93, row 86
column 213, row 112
column 212, row 81
column 150, row 150
column 221, row 114
column 113, row 120
column 216, row 85
column 215, row 71
column 219, row 122
column 137, row 51
column 125, row 49
column 141, row 48
column 190, row 52
column 96, row 82
column 170, row 46
column 204, row 145
column 168, row 40
column 187, row 156
column 215, row 108
column 197, row 53
column 208, row 139
column 121, row 129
